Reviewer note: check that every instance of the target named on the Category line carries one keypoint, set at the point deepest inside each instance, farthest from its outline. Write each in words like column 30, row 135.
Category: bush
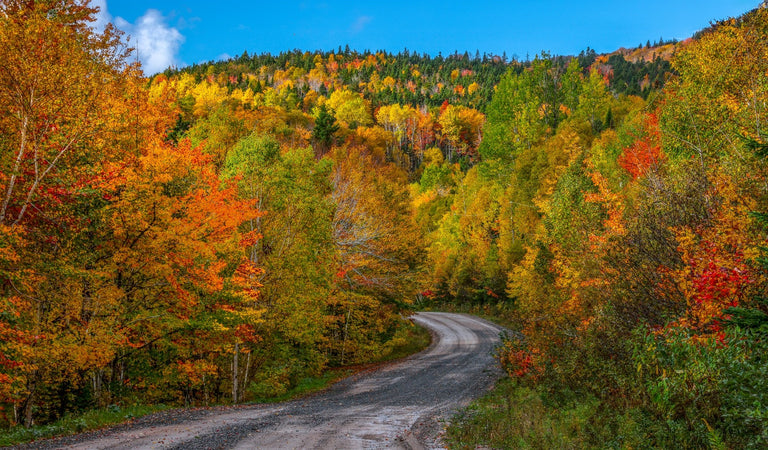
column 707, row 390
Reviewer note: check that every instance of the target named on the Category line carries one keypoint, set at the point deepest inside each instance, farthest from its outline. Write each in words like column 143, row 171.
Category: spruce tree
column 323, row 133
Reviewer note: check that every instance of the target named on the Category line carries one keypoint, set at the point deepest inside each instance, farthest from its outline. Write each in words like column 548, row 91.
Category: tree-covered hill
column 410, row 78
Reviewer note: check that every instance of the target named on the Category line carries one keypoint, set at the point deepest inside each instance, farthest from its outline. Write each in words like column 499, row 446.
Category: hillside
column 406, row 78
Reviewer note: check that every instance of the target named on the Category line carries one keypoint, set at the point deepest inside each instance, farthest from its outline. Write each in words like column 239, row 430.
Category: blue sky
column 175, row 32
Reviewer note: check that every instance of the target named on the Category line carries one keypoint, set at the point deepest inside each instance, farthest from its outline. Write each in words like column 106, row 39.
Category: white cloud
column 156, row 42
column 359, row 24
column 102, row 17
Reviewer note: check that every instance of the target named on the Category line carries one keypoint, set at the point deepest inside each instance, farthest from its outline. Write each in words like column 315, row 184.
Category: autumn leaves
column 628, row 248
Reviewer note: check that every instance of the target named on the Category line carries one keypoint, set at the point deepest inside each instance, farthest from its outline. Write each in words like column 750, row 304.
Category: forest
column 218, row 233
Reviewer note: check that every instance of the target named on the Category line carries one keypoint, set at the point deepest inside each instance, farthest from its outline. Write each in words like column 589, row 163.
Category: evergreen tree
column 323, row 133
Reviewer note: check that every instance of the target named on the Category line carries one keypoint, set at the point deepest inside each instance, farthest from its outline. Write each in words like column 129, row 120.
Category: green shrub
column 708, row 391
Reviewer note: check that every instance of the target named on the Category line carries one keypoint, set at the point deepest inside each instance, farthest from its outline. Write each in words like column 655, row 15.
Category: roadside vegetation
column 632, row 258
column 77, row 423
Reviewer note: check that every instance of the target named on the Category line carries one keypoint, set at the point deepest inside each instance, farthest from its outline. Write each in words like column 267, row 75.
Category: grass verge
column 513, row 415
column 529, row 416
column 417, row 340
column 72, row 424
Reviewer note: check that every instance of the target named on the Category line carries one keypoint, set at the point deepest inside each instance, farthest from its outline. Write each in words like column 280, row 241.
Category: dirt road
column 403, row 405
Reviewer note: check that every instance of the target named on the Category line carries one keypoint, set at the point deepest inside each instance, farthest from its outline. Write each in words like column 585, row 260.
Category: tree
column 296, row 252
column 324, row 130
column 377, row 249
column 68, row 108
column 174, row 262
column 462, row 129
column 350, row 108
column 59, row 81
column 717, row 98
column 218, row 132
column 528, row 106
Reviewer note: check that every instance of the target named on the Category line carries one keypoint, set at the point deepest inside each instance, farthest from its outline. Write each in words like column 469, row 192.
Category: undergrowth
column 71, row 424
column 418, row 338
column 522, row 417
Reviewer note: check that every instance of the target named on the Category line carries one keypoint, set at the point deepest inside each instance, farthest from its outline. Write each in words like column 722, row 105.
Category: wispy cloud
column 191, row 22
column 359, row 24
column 156, row 42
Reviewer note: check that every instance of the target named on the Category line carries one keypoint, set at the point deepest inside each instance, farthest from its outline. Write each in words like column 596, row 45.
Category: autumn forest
column 218, row 233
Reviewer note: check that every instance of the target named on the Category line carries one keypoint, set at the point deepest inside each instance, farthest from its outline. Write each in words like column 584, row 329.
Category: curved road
column 402, row 405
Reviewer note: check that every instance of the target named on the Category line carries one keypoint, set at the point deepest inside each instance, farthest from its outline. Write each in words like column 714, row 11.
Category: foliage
column 639, row 279
column 325, row 127
column 178, row 241
column 517, row 416
column 230, row 230
column 705, row 386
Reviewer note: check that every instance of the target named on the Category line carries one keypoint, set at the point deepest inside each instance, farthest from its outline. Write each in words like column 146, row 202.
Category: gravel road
column 400, row 405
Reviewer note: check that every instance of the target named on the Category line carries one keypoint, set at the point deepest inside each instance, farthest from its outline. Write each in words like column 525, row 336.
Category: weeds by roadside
column 71, row 424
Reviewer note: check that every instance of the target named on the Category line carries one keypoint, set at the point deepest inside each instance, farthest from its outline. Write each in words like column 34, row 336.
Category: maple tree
column 134, row 247
column 66, row 105
column 645, row 152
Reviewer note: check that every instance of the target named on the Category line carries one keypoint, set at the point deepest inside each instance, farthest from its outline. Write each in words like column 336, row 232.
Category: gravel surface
column 401, row 405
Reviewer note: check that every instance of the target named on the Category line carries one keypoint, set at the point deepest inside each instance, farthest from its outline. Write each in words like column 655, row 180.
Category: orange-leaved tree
column 67, row 107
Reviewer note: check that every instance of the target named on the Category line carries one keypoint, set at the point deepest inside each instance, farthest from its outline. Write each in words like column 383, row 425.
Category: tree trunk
column 235, row 369
column 344, row 341
column 27, row 407
column 247, row 369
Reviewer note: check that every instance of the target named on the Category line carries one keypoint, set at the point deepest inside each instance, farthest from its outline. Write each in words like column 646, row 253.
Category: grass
column 418, row 339
column 72, row 424
column 307, row 386
column 512, row 416
column 526, row 416
column 516, row 416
